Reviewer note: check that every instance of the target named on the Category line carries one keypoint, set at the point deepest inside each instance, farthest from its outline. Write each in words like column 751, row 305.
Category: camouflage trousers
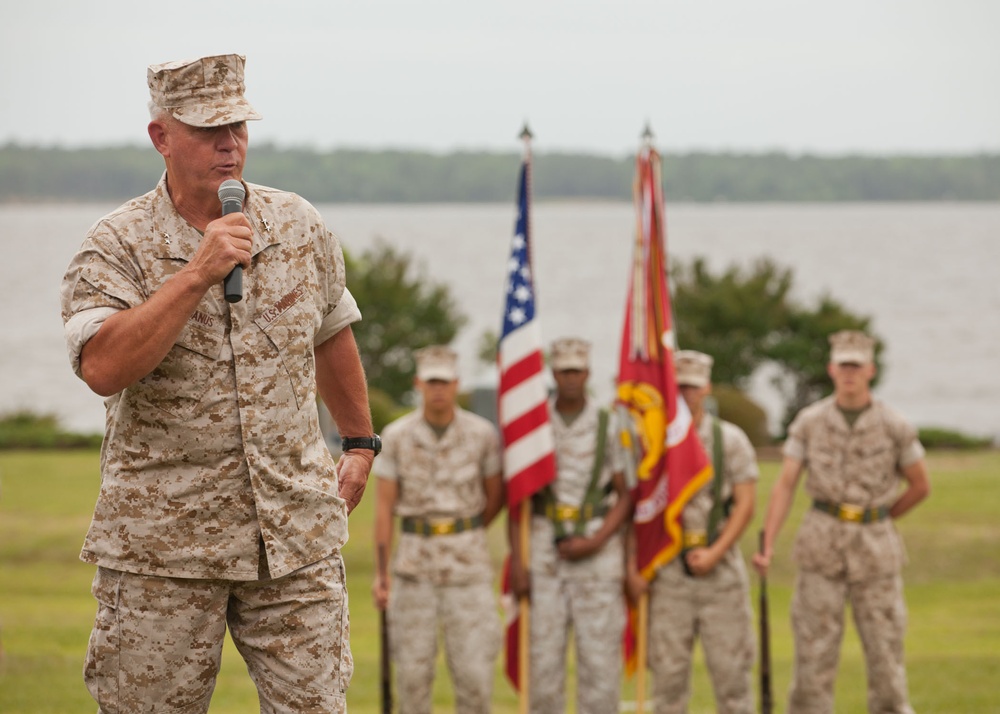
column 468, row 618
column 818, row 625
column 157, row 642
column 595, row 610
column 683, row 609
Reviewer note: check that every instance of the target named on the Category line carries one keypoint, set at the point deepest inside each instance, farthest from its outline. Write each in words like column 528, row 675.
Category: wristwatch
column 373, row 442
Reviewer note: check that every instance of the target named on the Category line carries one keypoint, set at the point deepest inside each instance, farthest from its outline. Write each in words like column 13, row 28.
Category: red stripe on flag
column 526, row 482
column 526, row 423
column 522, row 370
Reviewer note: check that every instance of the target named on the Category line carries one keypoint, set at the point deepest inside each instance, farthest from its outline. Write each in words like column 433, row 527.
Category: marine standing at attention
column 440, row 474
column 575, row 579
column 866, row 469
column 704, row 593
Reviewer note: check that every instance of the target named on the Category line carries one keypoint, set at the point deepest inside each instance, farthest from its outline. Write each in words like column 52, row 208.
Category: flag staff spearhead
column 526, row 136
column 647, row 135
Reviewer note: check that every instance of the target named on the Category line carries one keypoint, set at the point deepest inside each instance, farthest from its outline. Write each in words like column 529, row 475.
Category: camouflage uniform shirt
column 441, row 478
column 219, row 448
column 856, row 465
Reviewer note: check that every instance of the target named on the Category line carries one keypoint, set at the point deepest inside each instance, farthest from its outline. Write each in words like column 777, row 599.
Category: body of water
column 924, row 272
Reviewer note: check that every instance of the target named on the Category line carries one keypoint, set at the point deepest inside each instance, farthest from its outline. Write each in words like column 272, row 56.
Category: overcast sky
column 872, row 76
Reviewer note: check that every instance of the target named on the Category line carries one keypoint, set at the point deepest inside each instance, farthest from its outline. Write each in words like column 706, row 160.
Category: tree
column 746, row 319
column 403, row 311
column 732, row 316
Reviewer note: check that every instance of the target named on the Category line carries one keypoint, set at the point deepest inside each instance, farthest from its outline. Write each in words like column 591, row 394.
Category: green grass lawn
column 953, row 595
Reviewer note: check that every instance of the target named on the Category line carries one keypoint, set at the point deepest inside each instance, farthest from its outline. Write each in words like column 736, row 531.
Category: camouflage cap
column 693, row 369
column 437, row 362
column 202, row 92
column 851, row 346
column 570, row 353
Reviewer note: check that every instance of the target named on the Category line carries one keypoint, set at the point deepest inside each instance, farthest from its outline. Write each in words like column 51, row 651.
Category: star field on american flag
column 520, row 292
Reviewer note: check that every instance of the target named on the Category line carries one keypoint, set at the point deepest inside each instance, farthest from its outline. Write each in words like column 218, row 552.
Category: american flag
column 522, row 399
column 529, row 461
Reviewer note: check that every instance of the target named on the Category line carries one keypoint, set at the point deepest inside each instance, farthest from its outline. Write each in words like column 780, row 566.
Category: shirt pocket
column 291, row 334
column 825, row 464
column 459, row 481
column 874, row 458
column 179, row 383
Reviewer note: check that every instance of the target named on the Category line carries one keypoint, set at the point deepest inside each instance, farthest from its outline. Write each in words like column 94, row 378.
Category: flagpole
column 642, row 636
column 640, row 653
column 526, row 136
column 524, row 613
column 524, row 524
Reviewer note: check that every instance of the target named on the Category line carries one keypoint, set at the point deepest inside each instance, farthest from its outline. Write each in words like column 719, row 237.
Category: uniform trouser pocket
column 101, row 667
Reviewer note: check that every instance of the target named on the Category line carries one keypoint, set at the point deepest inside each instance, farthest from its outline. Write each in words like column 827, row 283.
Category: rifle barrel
column 766, row 702
column 385, row 664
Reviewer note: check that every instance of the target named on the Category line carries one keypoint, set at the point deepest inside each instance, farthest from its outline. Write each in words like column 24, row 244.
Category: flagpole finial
column 526, row 133
column 647, row 134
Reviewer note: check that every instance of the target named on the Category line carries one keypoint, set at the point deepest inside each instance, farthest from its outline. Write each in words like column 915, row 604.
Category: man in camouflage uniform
column 440, row 473
column 858, row 451
column 220, row 504
column 577, row 560
column 704, row 593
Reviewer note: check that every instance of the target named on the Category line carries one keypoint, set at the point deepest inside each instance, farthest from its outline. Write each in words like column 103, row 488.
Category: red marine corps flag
column 529, row 462
column 668, row 463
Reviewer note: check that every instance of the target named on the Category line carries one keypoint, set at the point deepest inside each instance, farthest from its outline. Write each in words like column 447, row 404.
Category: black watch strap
column 372, row 443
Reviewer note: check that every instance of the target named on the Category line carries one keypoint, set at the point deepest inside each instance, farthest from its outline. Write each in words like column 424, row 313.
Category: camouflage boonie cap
column 851, row 346
column 570, row 353
column 437, row 362
column 693, row 368
column 202, row 92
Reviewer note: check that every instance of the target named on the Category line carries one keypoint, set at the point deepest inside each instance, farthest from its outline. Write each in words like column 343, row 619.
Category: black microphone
column 232, row 193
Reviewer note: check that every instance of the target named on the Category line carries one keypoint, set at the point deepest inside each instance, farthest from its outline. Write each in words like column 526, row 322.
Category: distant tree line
column 348, row 175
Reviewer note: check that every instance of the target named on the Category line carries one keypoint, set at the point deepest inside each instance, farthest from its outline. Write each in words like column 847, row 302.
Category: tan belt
column 440, row 526
column 851, row 513
column 695, row 539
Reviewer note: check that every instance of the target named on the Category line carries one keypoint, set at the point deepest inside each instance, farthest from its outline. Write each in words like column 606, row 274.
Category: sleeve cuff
column 80, row 328
column 344, row 314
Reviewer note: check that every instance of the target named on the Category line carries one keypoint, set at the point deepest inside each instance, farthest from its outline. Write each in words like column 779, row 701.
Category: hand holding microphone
column 231, row 194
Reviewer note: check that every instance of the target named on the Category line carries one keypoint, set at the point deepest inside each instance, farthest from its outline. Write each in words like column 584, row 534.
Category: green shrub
column 26, row 430
column 736, row 407
column 939, row 438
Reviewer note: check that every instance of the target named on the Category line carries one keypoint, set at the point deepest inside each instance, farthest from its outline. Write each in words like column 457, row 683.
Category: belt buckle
column 566, row 513
column 441, row 527
column 695, row 539
column 849, row 512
